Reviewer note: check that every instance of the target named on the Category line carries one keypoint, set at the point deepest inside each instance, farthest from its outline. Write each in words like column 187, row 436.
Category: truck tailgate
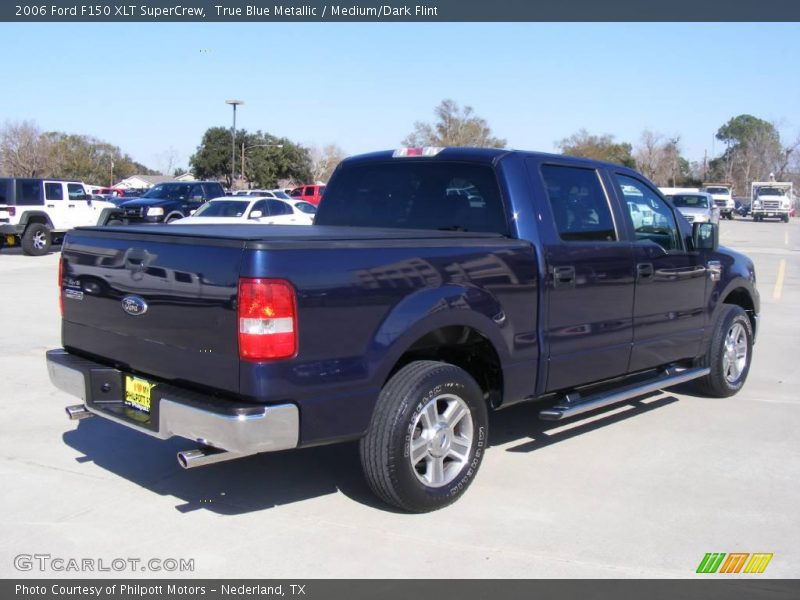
column 163, row 306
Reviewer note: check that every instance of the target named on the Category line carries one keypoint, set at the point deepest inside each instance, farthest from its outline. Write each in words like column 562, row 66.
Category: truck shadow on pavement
column 260, row 482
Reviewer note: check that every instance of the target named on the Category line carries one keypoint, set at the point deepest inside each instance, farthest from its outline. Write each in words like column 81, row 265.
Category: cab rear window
column 436, row 195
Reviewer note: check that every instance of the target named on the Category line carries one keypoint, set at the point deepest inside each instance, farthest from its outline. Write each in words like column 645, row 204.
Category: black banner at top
column 399, row 11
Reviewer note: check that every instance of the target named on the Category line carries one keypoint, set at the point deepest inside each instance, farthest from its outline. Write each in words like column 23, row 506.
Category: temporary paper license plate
column 138, row 393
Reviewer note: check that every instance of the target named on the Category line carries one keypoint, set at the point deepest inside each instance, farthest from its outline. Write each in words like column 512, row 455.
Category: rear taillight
column 61, row 286
column 12, row 211
column 267, row 319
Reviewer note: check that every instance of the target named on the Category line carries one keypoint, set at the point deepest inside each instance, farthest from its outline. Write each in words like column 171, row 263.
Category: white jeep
column 35, row 212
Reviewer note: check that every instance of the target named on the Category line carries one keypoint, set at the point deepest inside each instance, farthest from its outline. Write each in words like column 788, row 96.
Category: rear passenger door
column 589, row 288
column 55, row 203
column 668, row 316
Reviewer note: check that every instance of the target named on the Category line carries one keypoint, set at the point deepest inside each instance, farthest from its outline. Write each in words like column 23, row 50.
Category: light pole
column 256, row 146
column 674, row 142
column 233, row 103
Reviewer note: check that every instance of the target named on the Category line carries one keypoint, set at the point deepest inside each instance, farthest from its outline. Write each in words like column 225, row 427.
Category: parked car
column 695, row 206
column 166, row 202
column 309, row 193
column 405, row 314
column 742, row 208
column 259, row 211
column 264, row 194
column 35, row 213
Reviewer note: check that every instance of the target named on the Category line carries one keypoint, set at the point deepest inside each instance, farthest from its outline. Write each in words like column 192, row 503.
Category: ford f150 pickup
column 435, row 286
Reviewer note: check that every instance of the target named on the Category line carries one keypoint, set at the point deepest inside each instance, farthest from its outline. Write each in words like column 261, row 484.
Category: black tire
column 398, row 422
column 173, row 218
column 37, row 239
column 724, row 379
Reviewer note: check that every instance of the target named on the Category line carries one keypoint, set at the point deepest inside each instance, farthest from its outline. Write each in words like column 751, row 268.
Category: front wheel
column 729, row 353
column 427, row 437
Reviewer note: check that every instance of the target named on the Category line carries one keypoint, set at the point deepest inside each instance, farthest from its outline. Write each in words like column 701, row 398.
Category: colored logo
column 735, row 562
column 134, row 305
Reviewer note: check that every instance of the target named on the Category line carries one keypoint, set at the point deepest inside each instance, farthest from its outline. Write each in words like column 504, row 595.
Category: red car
column 309, row 193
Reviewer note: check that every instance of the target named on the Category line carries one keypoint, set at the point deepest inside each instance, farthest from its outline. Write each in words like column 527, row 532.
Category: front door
column 668, row 314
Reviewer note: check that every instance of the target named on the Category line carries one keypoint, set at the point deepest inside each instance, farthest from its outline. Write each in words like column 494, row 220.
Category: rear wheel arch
column 29, row 217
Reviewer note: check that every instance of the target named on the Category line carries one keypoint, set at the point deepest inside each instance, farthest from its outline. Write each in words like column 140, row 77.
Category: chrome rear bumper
column 204, row 419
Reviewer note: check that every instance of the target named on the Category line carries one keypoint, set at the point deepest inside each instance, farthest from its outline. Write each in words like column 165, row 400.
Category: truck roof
column 478, row 155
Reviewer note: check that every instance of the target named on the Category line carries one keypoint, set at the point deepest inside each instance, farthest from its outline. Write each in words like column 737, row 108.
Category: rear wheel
column 36, row 240
column 427, row 437
column 729, row 353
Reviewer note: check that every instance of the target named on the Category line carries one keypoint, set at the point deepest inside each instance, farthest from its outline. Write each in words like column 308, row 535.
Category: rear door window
column 214, row 190
column 29, row 192
column 579, row 204
column 4, row 183
column 53, row 191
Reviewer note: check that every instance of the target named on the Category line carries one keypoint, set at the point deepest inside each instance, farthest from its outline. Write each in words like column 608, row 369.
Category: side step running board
column 573, row 404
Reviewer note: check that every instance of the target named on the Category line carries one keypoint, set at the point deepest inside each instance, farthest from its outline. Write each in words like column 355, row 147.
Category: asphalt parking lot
column 644, row 489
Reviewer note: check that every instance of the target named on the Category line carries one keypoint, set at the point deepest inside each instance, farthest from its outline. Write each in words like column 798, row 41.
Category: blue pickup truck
column 436, row 286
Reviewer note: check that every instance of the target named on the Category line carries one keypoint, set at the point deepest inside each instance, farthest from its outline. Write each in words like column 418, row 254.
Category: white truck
column 722, row 193
column 771, row 200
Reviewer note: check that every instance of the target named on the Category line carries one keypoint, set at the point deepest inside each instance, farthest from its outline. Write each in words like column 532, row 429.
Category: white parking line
column 778, row 289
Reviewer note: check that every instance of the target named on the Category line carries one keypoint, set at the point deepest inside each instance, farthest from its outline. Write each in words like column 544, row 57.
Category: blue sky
column 150, row 87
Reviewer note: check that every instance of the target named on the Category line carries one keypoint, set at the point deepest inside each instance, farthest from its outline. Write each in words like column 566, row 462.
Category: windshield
column 415, row 194
column 222, row 208
column 169, row 191
column 771, row 191
column 718, row 190
column 282, row 195
column 685, row 201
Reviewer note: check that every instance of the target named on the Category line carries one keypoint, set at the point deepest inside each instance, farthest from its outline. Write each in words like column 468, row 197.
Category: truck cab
column 772, row 200
column 722, row 193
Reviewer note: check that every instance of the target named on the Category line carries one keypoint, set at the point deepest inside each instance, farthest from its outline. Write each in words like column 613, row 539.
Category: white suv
column 36, row 212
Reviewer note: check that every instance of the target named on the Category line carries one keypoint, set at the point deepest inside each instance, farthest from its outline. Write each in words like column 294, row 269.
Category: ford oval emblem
column 134, row 305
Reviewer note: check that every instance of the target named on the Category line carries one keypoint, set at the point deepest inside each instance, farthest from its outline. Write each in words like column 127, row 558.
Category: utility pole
column 233, row 103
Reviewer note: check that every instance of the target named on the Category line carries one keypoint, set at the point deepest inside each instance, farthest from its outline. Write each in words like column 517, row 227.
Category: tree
column 24, row 150
column 89, row 159
column 454, row 126
column 167, row 161
column 597, row 147
column 325, row 160
column 753, row 151
column 264, row 163
column 212, row 160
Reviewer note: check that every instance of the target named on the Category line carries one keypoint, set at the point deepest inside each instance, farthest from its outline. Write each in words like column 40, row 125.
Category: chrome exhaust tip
column 189, row 459
column 77, row 412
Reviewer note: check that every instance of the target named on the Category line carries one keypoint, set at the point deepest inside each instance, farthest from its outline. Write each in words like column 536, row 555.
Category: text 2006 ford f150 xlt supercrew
column 435, row 286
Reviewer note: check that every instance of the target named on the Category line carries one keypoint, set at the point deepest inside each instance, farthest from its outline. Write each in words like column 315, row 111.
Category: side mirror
column 256, row 214
column 705, row 236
